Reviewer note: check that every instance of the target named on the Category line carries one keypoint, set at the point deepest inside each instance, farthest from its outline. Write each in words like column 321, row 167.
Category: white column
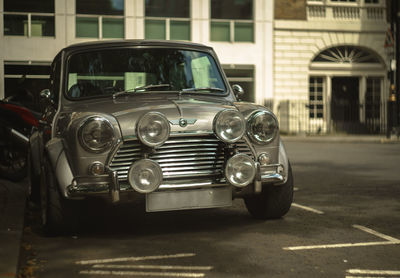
column 129, row 19
column 328, row 102
column 263, row 36
column 70, row 25
column 139, row 14
column 200, row 21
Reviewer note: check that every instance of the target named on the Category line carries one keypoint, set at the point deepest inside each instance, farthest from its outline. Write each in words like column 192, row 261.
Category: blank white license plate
column 189, row 199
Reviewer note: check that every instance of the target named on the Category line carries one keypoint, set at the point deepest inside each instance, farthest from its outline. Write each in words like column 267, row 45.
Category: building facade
column 330, row 65
column 33, row 32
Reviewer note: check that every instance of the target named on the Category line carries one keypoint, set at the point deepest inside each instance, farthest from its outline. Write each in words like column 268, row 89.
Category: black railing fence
column 299, row 116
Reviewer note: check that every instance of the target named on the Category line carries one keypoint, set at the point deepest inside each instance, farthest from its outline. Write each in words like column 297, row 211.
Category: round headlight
column 145, row 175
column 153, row 129
column 229, row 126
column 262, row 127
column 96, row 134
column 240, row 170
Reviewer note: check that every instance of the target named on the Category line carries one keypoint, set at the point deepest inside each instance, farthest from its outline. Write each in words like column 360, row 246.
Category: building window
column 343, row 1
column 29, row 18
column 242, row 75
column 232, row 21
column 316, row 101
column 371, row 1
column 23, row 81
column 100, row 19
column 168, row 20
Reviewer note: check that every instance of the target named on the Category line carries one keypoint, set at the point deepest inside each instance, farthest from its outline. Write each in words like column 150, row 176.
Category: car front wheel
column 273, row 202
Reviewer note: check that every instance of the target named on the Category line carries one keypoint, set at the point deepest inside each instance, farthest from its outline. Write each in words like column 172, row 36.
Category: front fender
column 59, row 163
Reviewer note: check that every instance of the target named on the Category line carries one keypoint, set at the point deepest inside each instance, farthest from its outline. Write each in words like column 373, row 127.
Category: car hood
column 198, row 111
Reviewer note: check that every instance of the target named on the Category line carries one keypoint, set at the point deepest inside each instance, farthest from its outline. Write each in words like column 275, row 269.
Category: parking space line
column 342, row 245
column 127, row 259
column 140, row 273
column 307, row 208
column 160, row 267
column 364, row 276
column 373, row 272
column 375, row 233
column 390, row 241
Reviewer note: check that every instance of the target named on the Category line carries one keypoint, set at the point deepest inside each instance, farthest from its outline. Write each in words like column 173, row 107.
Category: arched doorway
column 354, row 97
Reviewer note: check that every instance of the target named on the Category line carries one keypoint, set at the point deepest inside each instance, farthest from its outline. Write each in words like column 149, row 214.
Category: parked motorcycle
column 16, row 125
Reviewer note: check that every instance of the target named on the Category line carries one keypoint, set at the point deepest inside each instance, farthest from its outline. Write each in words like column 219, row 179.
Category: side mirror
column 237, row 90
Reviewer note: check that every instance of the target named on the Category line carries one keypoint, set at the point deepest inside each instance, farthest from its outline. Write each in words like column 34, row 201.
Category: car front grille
column 179, row 157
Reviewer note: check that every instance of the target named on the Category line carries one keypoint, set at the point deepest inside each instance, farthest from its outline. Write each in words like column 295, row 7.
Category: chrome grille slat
column 198, row 149
column 179, row 157
column 182, row 159
column 184, row 140
column 170, row 146
column 171, row 155
column 183, row 164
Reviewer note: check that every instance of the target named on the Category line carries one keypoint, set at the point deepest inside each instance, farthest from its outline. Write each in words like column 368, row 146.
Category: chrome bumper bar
column 89, row 185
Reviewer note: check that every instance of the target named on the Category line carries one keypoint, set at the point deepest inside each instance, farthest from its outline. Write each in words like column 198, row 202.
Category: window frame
column 232, row 28
column 29, row 16
column 167, row 24
column 100, row 24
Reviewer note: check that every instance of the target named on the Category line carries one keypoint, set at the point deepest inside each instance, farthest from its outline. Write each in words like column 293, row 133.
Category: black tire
column 58, row 215
column 273, row 202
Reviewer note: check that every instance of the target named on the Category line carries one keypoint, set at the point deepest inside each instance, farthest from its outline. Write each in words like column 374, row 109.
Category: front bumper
column 82, row 186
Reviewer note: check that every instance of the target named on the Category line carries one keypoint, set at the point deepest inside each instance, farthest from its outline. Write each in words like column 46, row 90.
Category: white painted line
column 139, row 273
column 390, row 241
column 368, row 230
column 364, row 276
column 342, row 245
column 373, row 272
column 160, row 267
column 113, row 260
column 295, row 188
column 307, row 208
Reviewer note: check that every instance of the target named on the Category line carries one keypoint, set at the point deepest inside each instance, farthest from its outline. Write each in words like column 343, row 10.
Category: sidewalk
column 12, row 207
column 341, row 139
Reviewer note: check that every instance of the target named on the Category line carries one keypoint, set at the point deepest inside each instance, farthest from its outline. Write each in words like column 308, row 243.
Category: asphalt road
column 345, row 223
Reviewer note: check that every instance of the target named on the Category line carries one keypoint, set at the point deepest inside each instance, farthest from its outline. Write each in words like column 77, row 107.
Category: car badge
column 183, row 122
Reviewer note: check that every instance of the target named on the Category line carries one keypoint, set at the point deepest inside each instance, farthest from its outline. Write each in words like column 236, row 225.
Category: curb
column 341, row 139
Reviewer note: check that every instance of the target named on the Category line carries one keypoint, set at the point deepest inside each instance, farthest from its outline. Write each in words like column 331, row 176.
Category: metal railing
column 318, row 10
column 295, row 116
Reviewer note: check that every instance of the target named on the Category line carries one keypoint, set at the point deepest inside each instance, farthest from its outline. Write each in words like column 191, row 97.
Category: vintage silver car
column 155, row 120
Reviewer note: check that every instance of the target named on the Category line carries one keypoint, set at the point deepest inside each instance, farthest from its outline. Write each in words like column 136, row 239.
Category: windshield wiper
column 141, row 88
column 201, row 89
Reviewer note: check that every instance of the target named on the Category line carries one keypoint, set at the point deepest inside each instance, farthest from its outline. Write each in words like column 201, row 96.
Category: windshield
column 115, row 71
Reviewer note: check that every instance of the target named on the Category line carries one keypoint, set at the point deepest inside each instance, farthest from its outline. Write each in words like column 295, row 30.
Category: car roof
column 126, row 43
